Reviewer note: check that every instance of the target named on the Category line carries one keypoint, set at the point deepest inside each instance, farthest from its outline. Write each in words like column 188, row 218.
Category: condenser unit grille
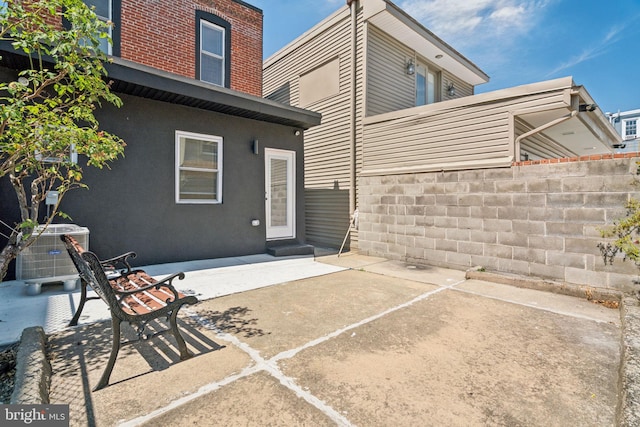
column 47, row 257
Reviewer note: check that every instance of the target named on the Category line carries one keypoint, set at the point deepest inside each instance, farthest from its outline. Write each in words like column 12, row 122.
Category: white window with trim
column 427, row 84
column 630, row 129
column 104, row 11
column 212, row 53
column 198, row 168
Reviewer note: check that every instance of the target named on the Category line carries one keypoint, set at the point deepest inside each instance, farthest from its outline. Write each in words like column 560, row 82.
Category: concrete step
column 289, row 250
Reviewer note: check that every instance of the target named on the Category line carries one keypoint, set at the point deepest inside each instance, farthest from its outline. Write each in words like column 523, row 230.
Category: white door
column 280, row 193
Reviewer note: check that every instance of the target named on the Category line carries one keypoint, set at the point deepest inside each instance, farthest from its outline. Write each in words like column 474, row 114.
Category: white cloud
column 490, row 33
column 468, row 23
column 599, row 48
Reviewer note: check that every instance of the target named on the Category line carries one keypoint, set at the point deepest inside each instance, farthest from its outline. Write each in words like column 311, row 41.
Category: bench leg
column 83, row 299
column 115, row 348
column 182, row 346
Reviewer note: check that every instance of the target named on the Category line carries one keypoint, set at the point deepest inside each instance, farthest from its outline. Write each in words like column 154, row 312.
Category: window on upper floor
column 104, row 10
column 198, row 168
column 630, row 129
column 213, row 49
column 427, row 84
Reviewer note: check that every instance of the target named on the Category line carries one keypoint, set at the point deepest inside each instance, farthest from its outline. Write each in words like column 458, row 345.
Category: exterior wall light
column 451, row 90
column 587, row 107
column 411, row 68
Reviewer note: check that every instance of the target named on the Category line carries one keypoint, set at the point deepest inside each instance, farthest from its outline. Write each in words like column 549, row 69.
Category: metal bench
column 132, row 296
column 113, row 266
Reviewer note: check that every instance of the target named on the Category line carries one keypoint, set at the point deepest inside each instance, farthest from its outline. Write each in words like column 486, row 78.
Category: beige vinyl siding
column 462, row 88
column 286, row 70
column 389, row 87
column 382, row 86
column 435, row 137
column 327, row 147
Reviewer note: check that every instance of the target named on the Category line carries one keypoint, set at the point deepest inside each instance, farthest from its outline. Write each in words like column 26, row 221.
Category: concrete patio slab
column 350, row 260
column 419, row 273
column 284, row 317
column 205, row 278
column 456, row 359
column 358, row 348
column 557, row 303
column 269, row 404
column 147, row 376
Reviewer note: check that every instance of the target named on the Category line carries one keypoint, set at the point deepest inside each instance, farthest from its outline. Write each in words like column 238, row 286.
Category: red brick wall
column 162, row 34
column 588, row 158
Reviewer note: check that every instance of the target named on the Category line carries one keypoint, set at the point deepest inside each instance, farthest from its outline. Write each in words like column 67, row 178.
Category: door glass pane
column 278, row 168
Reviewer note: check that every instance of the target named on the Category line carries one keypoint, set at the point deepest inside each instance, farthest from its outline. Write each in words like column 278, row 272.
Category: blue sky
column 515, row 42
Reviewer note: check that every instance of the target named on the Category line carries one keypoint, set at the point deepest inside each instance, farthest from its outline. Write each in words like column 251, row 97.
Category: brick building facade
column 166, row 35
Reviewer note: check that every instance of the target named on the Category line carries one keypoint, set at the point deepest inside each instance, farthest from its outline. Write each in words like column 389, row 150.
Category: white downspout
column 352, row 146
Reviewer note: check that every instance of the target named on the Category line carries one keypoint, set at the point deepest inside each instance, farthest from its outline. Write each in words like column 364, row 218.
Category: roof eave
column 396, row 22
column 131, row 78
column 210, row 97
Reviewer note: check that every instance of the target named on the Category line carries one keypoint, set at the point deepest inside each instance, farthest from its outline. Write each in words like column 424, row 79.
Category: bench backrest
column 85, row 264
column 102, row 285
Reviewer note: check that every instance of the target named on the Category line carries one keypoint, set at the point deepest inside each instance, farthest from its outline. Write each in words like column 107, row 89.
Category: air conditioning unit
column 47, row 260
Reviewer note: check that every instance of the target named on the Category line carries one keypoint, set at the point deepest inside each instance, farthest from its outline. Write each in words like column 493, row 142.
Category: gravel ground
column 7, row 372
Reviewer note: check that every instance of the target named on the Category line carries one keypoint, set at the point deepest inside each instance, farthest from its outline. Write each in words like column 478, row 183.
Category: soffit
column 584, row 134
column 138, row 80
column 406, row 30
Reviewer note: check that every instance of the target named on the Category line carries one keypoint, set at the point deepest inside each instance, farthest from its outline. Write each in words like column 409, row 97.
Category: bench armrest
column 164, row 283
column 120, row 259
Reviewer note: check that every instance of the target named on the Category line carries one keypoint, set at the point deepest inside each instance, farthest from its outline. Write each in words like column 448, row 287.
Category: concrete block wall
column 538, row 219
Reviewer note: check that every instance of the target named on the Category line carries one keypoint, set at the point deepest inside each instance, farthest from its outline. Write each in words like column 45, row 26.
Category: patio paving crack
column 271, row 365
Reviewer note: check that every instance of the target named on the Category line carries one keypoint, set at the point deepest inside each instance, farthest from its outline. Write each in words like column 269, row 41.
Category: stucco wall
column 131, row 206
column 540, row 220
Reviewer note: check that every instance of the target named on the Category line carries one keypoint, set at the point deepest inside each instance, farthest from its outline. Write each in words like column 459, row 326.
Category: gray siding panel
column 327, row 216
